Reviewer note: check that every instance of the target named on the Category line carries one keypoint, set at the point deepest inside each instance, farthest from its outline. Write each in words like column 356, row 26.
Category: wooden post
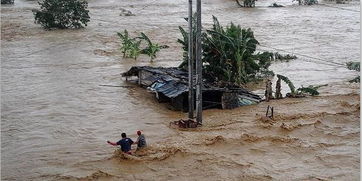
column 191, row 64
column 268, row 90
column 278, row 94
column 139, row 77
column 198, row 65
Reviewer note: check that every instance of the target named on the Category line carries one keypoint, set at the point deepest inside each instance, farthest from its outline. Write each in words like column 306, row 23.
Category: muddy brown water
column 55, row 116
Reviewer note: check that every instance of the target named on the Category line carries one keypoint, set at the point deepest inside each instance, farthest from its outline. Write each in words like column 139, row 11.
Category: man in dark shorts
column 125, row 143
column 141, row 140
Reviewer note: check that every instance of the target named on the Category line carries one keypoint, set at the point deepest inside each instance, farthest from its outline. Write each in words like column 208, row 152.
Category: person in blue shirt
column 125, row 143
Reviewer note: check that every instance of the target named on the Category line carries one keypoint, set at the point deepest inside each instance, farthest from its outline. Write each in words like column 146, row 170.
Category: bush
column 7, row 1
column 354, row 66
column 62, row 14
column 246, row 3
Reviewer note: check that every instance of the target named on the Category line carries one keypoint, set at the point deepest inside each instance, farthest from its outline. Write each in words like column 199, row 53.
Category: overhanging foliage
column 229, row 55
column 62, row 14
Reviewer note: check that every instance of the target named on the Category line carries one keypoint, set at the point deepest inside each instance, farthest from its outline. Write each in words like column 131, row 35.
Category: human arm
column 112, row 143
column 140, row 140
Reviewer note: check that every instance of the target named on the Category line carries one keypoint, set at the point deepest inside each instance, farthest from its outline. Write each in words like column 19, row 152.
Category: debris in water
column 270, row 114
column 125, row 12
column 275, row 5
column 189, row 123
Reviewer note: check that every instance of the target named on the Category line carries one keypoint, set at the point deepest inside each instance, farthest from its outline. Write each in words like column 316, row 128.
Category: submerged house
column 171, row 85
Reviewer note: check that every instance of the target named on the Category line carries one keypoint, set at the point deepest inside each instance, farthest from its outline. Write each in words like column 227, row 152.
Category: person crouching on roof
column 125, row 143
column 141, row 140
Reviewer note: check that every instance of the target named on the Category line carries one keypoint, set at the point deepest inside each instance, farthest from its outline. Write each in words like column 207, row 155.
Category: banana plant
column 311, row 90
column 228, row 55
column 135, row 50
column 185, row 42
column 152, row 48
column 288, row 82
column 130, row 47
column 232, row 44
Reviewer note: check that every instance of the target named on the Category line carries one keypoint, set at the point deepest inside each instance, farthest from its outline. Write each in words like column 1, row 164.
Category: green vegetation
column 152, row 48
column 285, row 58
column 265, row 58
column 309, row 90
column 246, row 3
column 185, row 42
column 229, row 57
column 302, row 91
column 7, row 1
column 355, row 80
column 227, row 54
column 131, row 47
column 354, row 66
column 288, row 82
column 62, row 14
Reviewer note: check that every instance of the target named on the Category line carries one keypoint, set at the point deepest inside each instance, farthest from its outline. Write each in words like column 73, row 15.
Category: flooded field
column 56, row 116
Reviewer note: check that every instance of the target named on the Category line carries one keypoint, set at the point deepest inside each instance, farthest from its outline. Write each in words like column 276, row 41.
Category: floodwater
column 56, row 113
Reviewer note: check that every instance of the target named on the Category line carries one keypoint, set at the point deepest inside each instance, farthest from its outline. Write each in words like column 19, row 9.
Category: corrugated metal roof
column 173, row 81
column 172, row 89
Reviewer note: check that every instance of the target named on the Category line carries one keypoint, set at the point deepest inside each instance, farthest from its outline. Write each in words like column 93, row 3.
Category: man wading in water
column 124, row 142
column 141, row 140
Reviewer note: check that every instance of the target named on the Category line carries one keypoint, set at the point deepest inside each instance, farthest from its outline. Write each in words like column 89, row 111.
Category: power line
column 321, row 61
column 326, row 62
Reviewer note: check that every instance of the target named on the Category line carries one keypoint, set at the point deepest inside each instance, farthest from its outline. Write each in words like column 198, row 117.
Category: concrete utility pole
column 198, row 64
column 191, row 64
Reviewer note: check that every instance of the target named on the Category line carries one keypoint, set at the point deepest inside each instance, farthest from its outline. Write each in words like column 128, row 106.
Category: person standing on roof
column 141, row 140
column 125, row 143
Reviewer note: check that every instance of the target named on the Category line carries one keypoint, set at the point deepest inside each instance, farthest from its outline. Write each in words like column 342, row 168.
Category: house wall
column 229, row 100
column 142, row 75
column 162, row 98
column 178, row 103
column 211, row 99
